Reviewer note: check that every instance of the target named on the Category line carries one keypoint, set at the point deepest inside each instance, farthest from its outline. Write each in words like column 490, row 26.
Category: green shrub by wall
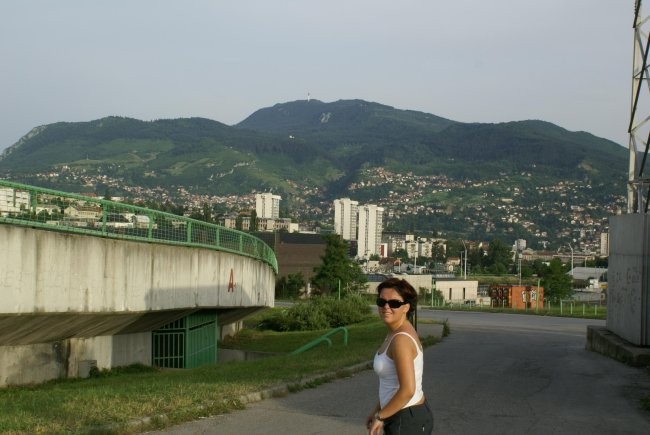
column 318, row 313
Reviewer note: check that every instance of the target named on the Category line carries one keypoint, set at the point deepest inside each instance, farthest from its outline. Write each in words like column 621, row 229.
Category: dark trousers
column 416, row 419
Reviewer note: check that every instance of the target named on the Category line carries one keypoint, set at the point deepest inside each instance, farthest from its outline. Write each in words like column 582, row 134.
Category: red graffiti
column 231, row 282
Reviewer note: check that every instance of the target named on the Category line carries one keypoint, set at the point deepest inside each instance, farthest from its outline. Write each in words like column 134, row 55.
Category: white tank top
column 388, row 381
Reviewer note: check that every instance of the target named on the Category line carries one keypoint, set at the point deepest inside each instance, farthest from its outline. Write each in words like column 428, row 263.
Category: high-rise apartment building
column 371, row 223
column 604, row 244
column 267, row 205
column 345, row 218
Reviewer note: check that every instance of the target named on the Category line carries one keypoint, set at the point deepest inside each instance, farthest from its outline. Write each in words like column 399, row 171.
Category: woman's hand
column 371, row 417
column 369, row 420
column 375, row 427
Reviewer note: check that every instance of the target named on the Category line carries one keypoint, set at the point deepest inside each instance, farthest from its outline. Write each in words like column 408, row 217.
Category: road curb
column 285, row 389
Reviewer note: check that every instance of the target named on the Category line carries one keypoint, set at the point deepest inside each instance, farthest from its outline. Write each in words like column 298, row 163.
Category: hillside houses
column 563, row 212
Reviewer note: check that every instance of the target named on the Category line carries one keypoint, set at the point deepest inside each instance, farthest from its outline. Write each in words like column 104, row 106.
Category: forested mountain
column 363, row 132
column 311, row 152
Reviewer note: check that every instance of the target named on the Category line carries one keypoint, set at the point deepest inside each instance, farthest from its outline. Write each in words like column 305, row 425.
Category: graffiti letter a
column 231, row 282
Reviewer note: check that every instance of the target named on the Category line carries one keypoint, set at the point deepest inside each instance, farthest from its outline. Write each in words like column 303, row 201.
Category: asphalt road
column 495, row 374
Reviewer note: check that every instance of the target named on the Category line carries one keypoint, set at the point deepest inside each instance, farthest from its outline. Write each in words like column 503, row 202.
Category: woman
column 402, row 407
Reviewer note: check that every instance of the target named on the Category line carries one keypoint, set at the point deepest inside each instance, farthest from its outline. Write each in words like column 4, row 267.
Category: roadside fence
column 564, row 308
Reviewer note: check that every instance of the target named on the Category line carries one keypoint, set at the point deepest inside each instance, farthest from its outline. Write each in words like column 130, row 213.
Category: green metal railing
column 38, row 207
column 323, row 339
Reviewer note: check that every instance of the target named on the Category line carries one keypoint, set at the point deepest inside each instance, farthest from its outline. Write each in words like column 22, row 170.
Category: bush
column 349, row 310
column 319, row 313
column 300, row 317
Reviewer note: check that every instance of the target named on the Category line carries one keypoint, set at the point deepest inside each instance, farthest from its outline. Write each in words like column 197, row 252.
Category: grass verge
column 140, row 398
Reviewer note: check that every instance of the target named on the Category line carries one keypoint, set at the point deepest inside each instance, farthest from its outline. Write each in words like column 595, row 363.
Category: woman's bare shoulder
column 407, row 339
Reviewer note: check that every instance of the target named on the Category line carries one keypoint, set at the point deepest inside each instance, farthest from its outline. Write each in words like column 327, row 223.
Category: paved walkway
column 492, row 375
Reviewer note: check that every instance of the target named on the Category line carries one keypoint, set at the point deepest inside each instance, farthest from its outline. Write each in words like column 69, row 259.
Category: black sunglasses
column 393, row 303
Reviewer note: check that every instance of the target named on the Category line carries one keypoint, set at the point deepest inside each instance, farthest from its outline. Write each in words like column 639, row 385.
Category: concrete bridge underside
column 67, row 298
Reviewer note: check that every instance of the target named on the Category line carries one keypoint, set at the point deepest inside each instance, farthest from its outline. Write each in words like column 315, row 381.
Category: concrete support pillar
column 628, row 289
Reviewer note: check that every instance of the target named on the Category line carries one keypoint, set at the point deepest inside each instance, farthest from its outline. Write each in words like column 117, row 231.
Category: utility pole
column 415, row 254
column 638, row 198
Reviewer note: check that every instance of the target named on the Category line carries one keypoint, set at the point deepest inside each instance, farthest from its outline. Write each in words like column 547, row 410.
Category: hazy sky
column 564, row 61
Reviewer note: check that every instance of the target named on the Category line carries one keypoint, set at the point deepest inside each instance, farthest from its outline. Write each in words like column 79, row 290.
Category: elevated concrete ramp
column 57, row 286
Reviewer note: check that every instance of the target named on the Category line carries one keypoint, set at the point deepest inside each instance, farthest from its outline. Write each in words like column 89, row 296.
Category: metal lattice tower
column 638, row 192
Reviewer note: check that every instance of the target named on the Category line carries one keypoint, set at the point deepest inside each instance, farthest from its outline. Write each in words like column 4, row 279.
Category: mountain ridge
column 327, row 149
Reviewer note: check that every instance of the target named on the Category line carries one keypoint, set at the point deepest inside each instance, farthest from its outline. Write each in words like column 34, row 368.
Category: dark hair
column 405, row 290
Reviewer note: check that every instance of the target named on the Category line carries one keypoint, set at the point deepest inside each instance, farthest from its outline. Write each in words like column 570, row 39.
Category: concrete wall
column 68, row 298
column 628, row 294
column 37, row 363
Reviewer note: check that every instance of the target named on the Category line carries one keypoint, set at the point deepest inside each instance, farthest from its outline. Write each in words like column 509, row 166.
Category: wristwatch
column 378, row 418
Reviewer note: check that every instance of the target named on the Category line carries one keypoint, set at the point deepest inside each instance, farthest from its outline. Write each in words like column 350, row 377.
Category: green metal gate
column 186, row 343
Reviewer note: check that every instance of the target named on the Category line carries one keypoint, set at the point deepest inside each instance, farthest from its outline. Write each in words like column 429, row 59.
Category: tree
column 557, row 283
column 475, row 258
column 43, row 216
column 205, row 214
column 289, row 286
column 454, row 248
column 499, row 258
column 253, row 226
column 401, row 254
column 526, row 269
column 337, row 267
column 438, row 253
column 597, row 262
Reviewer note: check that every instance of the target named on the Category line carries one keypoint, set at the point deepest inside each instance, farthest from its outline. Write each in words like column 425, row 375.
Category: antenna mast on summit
column 638, row 193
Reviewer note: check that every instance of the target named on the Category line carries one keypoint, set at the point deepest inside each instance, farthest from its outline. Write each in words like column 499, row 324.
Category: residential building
column 345, row 218
column 393, row 241
column 267, row 205
column 228, row 221
column 371, row 224
column 13, row 201
column 604, row 244
column 88, row 212
column 519, row 245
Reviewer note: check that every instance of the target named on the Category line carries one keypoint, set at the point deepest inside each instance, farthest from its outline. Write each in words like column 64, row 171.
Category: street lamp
column 571, row 248
column 465, row 247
